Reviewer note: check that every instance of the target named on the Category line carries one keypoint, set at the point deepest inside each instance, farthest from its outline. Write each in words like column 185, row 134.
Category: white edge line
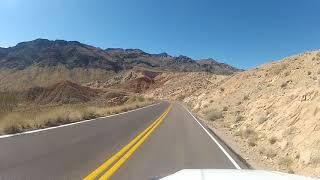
column 217, row 142
column 74, row 123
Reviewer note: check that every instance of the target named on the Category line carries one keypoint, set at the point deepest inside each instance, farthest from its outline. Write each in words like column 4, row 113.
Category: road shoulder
column 226, row 142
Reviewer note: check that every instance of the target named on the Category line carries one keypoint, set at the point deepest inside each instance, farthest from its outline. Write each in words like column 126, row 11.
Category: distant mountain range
column 42, row 62
column 73, row 54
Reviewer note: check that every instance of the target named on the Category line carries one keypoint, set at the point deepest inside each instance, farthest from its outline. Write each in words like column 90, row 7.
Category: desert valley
column 269, row 115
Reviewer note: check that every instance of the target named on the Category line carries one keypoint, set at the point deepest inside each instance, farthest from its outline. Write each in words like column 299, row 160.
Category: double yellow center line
column 123, row 154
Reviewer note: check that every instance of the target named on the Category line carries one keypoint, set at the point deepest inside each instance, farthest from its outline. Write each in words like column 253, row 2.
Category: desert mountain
column 44, row 62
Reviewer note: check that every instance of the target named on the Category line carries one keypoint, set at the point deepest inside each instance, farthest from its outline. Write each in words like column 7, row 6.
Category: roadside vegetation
column 8, row 101
column 14, row 119
column 213, row 114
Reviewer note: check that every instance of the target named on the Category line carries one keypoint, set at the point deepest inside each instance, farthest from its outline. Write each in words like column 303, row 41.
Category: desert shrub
column 239, row 118
column 315, row 157
column 221, row 89
column 278, row 68
column 252, row 140
column 284, row 84
column 238, row 132
column 56, row 121
column 287, row 73
column 285, row 162
column 136, row 99
column 272, row 140
column 225, row 108
column 181, row 97
column 246, row 132
column 290, row 171
column 261, row 119
column 246, row 97
column 309, row 73
column 140, row 99
column 90, row 114
column 214, row 114
column 250, row 135
column 268, row 152
column 288, row 131
column 13, row 129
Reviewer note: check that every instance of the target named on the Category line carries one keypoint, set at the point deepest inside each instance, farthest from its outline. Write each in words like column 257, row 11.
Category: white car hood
column 228, row 174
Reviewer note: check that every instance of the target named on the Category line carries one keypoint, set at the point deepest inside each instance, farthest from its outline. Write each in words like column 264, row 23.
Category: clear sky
column 243, row 33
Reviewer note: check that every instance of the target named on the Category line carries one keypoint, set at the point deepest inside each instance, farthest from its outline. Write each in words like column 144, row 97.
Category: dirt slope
column 272, row 111
column 62, row 93
column 181, row 85
column 11, row 79
column 137, row 80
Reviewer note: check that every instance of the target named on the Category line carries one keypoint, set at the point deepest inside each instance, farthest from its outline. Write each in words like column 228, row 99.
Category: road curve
column 177, row 141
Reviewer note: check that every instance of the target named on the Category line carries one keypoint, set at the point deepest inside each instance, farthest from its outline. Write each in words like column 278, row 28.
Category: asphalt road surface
column 160, row 140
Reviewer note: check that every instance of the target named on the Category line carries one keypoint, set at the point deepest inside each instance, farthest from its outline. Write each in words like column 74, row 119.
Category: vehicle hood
column 228, row 174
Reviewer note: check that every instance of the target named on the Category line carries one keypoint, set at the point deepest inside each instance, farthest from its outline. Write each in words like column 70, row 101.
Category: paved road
column 73, row 152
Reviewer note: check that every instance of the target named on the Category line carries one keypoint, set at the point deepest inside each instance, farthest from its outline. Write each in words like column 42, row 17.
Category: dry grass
column 315, row 158
column 247, row 132
column 268, row 152
column 239, row 118
column 8, row 101
column 272, row 140
column 15, row 122
column 225, row 108
column 285, row 162
column 252, row 141
column 181, row 97
column 213, row 114
column 284, row 84
column 250, row 135
column 262, row 119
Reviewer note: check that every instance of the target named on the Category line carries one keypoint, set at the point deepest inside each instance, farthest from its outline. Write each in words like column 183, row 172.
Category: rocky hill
column 44, row 62
column 64, row 92
column 271, row 112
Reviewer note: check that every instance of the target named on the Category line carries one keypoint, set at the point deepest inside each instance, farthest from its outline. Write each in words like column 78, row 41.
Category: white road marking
column 216, row 141
column 71, row 124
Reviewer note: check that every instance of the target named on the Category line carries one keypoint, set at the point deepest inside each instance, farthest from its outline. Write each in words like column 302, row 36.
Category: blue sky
column 243, row 33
